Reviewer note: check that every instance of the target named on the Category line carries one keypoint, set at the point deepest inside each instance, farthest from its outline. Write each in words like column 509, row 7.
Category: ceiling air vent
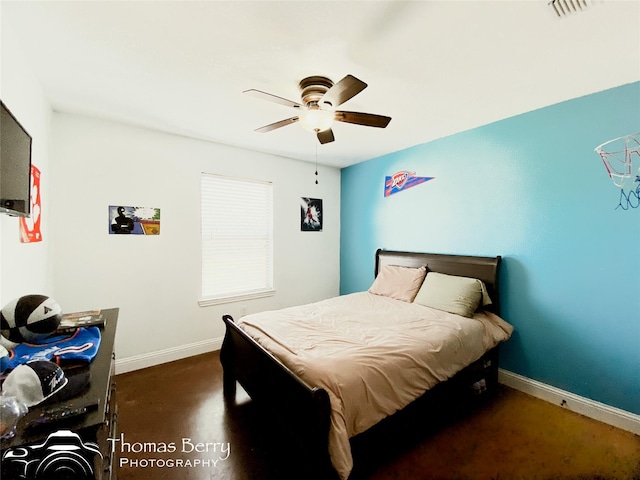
column 563, row 8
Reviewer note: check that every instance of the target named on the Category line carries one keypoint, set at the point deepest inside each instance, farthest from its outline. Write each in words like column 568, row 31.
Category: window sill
column 208, row 302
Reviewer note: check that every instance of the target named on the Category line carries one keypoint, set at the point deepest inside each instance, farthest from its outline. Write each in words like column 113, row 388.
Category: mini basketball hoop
column 618, row 158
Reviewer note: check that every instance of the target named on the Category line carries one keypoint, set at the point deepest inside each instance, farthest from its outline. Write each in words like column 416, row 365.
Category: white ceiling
column 435, row 67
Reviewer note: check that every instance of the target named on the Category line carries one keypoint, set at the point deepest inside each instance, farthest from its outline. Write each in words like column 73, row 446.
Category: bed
column 332, row 369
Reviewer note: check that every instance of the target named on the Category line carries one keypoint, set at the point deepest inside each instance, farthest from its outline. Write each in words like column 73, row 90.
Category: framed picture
column 310, row 214
column 125, row 220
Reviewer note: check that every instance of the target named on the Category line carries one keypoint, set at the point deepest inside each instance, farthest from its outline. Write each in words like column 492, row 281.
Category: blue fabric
column 78, row 348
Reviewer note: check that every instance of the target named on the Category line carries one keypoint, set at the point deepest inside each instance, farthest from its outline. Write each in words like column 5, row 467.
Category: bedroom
column 571, row 257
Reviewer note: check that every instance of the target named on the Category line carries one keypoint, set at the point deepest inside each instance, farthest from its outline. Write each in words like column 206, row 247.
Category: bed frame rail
column 277, row 389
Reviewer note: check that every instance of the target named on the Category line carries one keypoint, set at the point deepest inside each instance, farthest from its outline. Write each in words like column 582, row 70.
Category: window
column 237, row 239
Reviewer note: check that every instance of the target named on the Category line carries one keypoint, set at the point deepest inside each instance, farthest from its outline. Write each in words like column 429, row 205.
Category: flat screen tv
column 15, row 166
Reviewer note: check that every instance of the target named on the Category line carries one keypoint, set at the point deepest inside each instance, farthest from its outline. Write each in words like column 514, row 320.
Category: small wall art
column 402, row 180
column 134, row 220
column 310, row 214
column 30, row 231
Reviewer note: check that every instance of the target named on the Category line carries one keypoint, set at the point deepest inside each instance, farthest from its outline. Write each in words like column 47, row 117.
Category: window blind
column 237, row 238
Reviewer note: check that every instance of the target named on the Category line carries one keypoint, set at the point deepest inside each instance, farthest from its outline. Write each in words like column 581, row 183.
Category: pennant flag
column 401, row 181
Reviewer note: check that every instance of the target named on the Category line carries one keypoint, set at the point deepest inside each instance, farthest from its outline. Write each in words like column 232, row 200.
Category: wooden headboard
column 483, row 268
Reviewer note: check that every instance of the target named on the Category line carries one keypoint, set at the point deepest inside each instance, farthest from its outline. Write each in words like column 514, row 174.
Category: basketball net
column 618, row 158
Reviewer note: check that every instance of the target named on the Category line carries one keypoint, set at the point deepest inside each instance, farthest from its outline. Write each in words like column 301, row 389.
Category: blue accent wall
column 532, row 189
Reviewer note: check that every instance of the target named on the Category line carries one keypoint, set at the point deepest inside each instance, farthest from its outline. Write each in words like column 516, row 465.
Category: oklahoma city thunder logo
column 401, row 181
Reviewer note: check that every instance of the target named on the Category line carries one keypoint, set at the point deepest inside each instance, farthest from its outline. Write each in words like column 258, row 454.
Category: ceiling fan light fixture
column 315, row 119
column 318, row 110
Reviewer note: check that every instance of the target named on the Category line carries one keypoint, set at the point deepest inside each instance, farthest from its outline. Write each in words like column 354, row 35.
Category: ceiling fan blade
column 273, row 126
column 326, row 136
column 272, row 98
column 366, row 119
column 342, row 91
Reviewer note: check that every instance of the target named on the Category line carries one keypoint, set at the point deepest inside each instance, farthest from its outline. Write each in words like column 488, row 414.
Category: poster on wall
column 310, row 214
column 134, row 220
column 401, row 181
column 30, row 226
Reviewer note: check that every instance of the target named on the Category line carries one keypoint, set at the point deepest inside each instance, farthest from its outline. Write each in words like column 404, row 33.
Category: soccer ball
column 29, row 318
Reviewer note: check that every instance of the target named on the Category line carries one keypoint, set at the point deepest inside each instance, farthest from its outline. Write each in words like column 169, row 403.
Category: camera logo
column 62, row 456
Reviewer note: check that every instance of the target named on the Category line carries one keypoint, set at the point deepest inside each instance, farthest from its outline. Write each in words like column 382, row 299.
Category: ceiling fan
column 317, row 111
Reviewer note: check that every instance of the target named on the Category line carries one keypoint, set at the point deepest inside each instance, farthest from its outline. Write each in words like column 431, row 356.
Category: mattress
column 372, row 354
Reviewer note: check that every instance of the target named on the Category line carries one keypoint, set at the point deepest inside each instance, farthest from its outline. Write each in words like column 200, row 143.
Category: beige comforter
column 372, row 354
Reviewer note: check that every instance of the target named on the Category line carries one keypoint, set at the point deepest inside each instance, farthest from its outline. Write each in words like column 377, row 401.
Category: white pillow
column 453, row 294
column 401, row 283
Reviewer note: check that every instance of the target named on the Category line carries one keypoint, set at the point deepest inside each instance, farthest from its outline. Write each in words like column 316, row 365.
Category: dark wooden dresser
column 96, row 426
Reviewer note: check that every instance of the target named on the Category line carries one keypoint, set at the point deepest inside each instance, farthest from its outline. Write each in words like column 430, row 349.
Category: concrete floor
column 175, row 425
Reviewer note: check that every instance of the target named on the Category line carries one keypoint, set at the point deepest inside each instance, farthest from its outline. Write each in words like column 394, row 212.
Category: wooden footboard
column 305, row 410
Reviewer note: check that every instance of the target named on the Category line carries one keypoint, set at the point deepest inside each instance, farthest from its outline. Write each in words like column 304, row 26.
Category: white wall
column 24, row 268
column 155, row 280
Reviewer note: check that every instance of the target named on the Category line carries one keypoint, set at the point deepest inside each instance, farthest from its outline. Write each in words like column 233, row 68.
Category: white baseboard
column 145, row 360
column 584, row 406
